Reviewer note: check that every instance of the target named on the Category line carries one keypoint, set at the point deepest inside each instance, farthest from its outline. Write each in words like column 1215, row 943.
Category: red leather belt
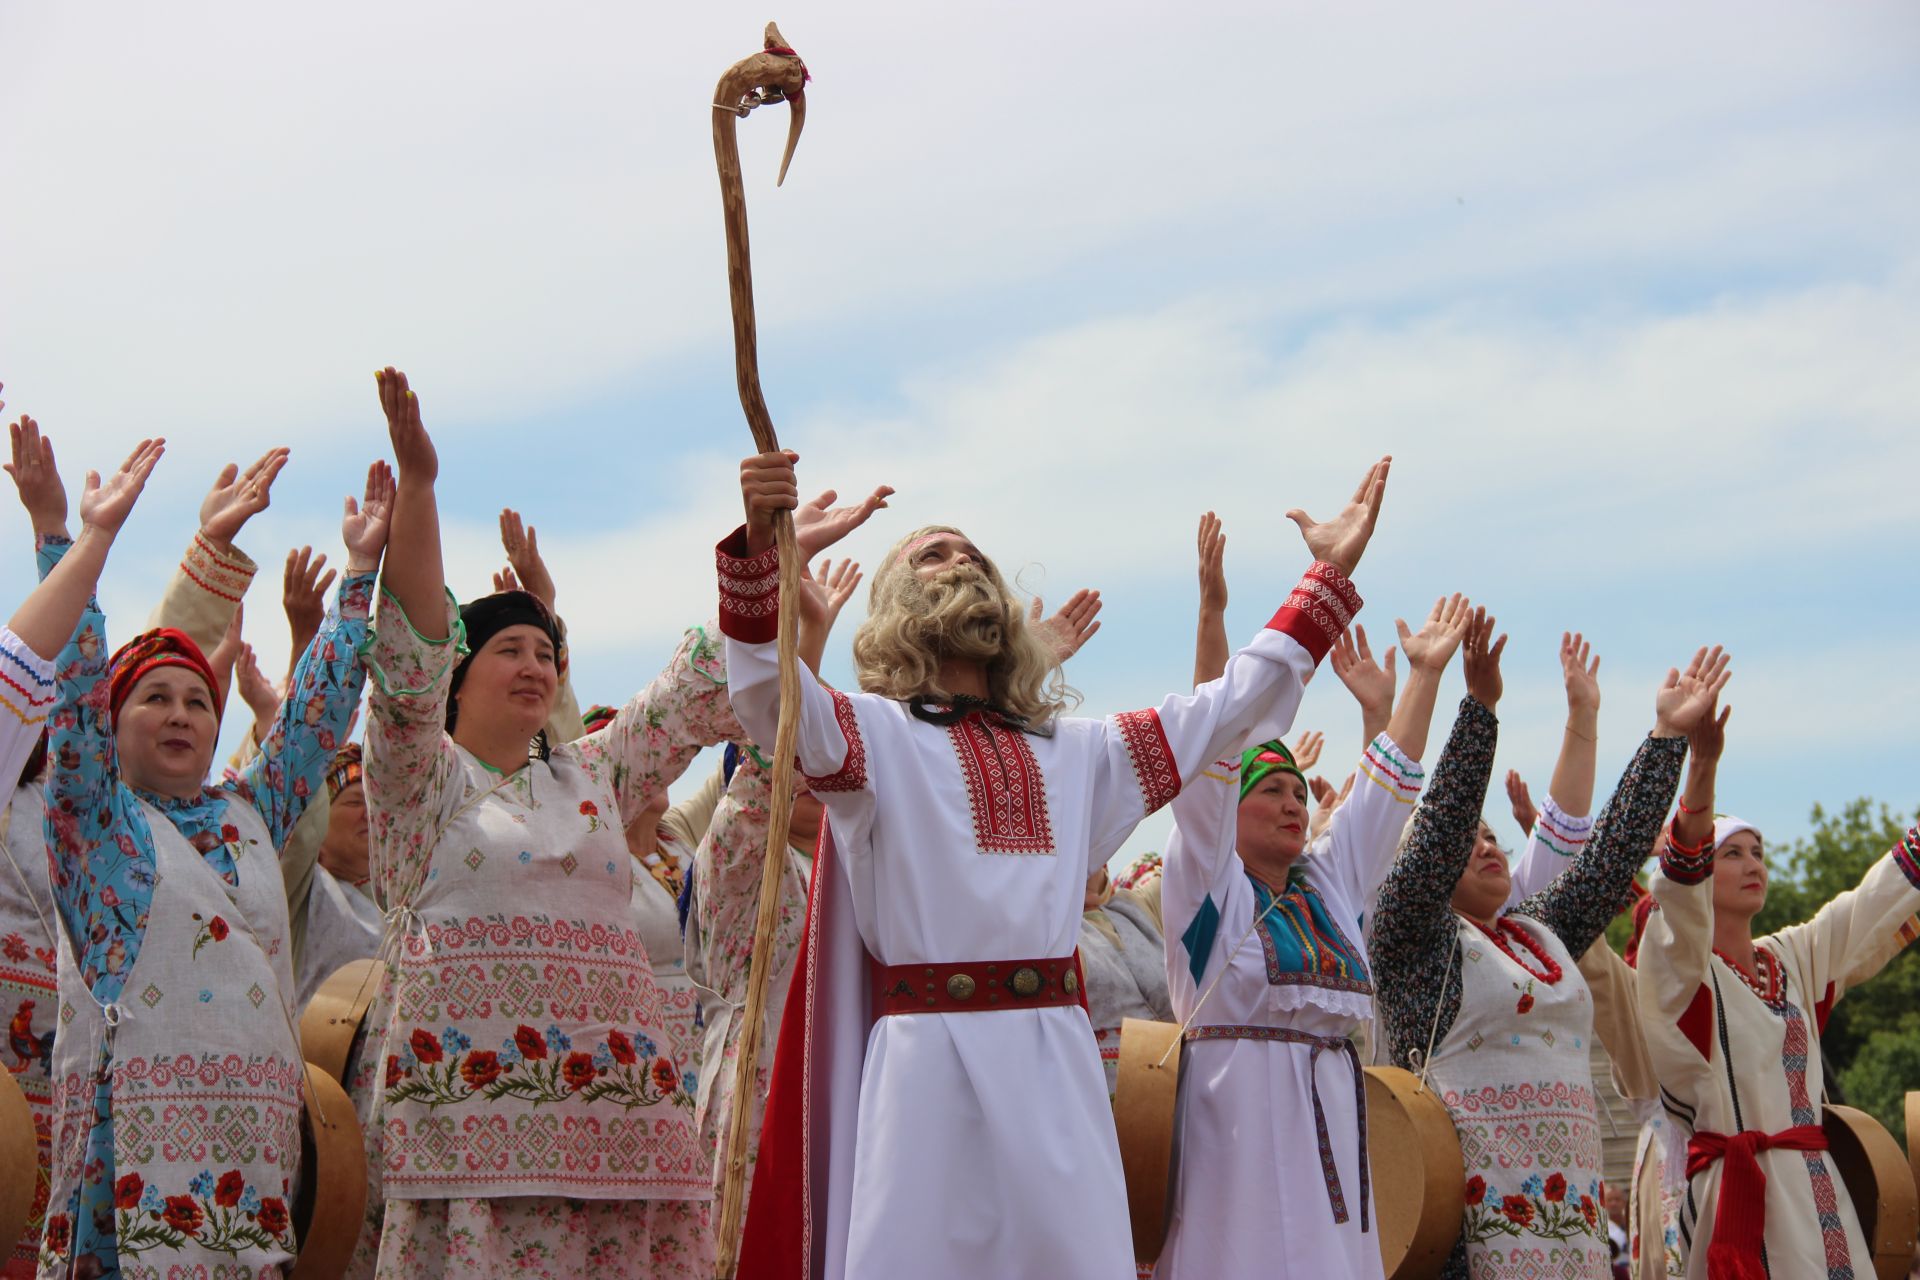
column 978, row 986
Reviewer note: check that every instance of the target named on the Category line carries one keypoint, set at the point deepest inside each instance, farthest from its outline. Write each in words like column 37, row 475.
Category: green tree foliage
column 1872, row 1042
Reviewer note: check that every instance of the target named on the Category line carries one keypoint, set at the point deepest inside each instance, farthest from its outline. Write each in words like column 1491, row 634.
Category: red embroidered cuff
column 1319, row 609
column 1686, row 866
column 749, row 590
column 218, row 573
column 852, row 774
column 1906, row 855
column 1152, row 757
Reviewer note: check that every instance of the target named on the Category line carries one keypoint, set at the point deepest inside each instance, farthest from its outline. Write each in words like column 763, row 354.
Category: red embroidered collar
column 1549, row 971
column 1774, row 989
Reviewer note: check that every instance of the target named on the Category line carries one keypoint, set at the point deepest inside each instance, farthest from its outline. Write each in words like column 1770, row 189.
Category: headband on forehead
column 1725, row 825
column 1269, row 757
column 344, row 771
column 488, row 616
column 150, row 651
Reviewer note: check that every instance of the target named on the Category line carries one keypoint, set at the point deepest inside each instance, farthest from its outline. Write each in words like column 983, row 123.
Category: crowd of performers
column 547, row 1071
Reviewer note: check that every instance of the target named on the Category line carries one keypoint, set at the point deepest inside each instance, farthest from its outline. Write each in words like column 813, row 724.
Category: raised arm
column 84, row 810
column 1371, row 683
column 206, row 589
column 1560, row 831
column 748, row 569
column 1210, row 647
column 527, row 571
column 414, row 574
column 324, row 692
column 1598, row 883
column 303, row 597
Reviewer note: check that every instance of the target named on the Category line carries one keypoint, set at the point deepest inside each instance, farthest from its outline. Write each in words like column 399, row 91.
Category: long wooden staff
column 774, row 75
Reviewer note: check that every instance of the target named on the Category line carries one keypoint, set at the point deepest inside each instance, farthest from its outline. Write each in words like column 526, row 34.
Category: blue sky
column 1632, row 293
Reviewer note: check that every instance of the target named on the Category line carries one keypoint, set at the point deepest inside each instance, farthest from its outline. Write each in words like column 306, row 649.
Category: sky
column 1630, row 292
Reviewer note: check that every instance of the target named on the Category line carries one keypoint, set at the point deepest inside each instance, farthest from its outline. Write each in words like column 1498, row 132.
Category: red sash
column 1740, row 1213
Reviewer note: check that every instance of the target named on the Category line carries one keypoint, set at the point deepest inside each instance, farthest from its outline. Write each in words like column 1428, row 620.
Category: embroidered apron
column 29, row 994
column 656, row 918
column 1514, row 1070
column 524, row 1046
column 204, row 1071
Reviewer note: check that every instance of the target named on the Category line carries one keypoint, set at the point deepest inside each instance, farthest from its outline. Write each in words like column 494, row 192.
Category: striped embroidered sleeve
column 204, row 591
column 1596, row 886
column 27, row 691
column 1557, row 837
column 1364, row 833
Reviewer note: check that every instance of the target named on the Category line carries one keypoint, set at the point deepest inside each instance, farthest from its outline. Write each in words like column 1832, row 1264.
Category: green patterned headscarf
column 1269, row 757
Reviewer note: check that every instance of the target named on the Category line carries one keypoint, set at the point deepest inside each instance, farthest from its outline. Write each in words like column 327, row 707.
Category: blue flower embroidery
column 558, row 1040
column 151, row 1202
column 250, row 1202
column 510, row 1054
column 526, row 856
column 690, row 1081
column 206, row 996
column 201, row 1184
column 456, row 1041
column 1533, row 1186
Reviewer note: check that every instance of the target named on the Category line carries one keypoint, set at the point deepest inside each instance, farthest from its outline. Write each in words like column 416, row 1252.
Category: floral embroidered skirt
column 546, row 1238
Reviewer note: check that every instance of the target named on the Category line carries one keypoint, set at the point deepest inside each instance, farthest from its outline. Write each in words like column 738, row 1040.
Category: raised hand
column 1307, row 748
column 413, row 451
column 1325, row 802
column 303, row 594
column 1069, row 628
column 239, row 495
column 1213, row 573
column 42, row 492
column 258, row 692
column 1341, row 540
column 1522, row 801
column 1371, row 683
column 227, row 652
column 1433, row 646
column 1482, row 659
column 364, row 524
column 522, row 545
column 1581, row 668
column 1686, row 699
column 507, row 580
column 105, row 504
column 819, row 524
column 825, row 590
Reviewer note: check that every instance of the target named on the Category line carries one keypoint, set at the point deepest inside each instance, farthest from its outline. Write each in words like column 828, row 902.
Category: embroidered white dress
column 973, row 1143
column 1272, row 1174
column 1738, row 1052
column 29, row 995
column 525, row 1061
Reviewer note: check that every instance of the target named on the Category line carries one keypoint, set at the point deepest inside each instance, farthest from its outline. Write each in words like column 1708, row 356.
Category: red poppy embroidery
column 394, row 1074
column 272, row 1216
column 578, row 1071
column 532, row 1046
column 1518, row 1209
column 226, row 1192
column 425, row 1047
column 230, row 833
column 183, row 1215
column 1525, row 1003
column 481, row 1068
column 1556, row 1190
column 664, row 1075
column 126, row 1192
column 1476, row 1189
column 620, row 1045
column 59, row 1233
column 218, row 928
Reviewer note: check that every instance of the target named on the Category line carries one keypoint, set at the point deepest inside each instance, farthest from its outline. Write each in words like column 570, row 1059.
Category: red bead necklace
column 1549, row 971
column 1774, row 989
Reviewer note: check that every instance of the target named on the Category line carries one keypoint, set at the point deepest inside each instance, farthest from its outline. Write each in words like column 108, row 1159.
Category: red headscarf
column 151, row 650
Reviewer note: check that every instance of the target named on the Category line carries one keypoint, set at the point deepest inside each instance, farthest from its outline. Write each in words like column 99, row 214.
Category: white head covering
column 1726, row 825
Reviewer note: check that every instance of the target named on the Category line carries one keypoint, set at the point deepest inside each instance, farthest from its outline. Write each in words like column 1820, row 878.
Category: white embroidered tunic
column 984, row 1143
column 528, row 1053
column 1272, row 1167
column 1741, row 1052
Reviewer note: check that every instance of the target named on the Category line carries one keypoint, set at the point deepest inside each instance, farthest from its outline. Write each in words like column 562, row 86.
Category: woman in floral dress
column 177, row 1066
column 1490, row 1005
column 530, row 1116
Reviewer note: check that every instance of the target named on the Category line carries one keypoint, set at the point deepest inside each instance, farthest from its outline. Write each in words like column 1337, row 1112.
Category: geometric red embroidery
column 1004, row 787
column 1152, row 757
column 852, row 773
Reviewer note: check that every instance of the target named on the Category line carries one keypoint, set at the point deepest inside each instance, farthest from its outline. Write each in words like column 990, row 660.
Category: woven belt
column 978, row 986
column 1321, row 1044
column 1740, row 1214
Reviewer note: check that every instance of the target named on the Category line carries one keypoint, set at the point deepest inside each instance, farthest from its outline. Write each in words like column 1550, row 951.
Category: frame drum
column 1880, row 1181
column 20, row 1157
column 1145, row 1092
column 332, row 1199
column 331, row 1023
column 1420, row 1179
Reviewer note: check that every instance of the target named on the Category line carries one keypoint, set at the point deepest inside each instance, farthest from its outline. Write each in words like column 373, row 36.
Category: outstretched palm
column 105, row 504
column 1687, row 699
column 239, row 495
column 1341, row 540
column 364, row 526
column 819, row 524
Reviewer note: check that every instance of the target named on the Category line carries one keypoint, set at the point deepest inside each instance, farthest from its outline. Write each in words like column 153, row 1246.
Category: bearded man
column 938, row 1106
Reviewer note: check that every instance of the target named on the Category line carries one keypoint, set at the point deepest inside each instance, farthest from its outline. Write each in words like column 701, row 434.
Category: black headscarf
column 487, row 617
